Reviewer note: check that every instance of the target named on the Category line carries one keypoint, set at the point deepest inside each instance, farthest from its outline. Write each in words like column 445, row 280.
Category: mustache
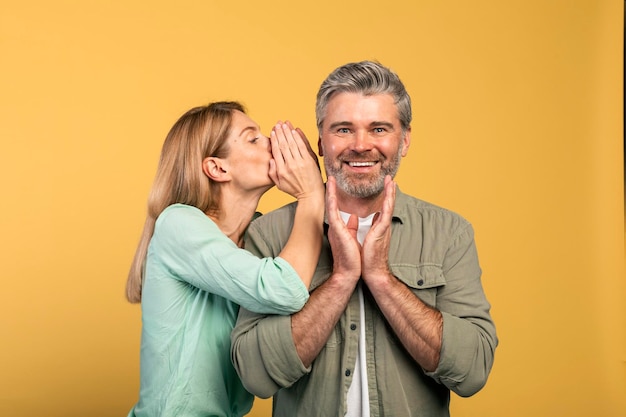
column 353, row 156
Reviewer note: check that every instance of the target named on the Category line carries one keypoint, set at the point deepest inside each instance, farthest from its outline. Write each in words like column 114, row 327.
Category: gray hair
column 367, row 78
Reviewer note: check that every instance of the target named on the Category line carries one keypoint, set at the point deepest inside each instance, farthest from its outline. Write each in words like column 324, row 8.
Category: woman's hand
column 295, row 168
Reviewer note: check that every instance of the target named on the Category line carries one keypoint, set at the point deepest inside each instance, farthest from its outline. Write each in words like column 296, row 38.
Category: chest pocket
column 424, row 280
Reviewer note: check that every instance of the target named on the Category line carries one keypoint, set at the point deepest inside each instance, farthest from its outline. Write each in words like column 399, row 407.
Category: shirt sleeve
column 262, row 348
column 193, row 249
column 264, row 354
column 469, row 335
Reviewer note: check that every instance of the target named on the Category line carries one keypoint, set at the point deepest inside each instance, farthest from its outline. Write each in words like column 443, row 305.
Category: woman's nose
column 267, row 141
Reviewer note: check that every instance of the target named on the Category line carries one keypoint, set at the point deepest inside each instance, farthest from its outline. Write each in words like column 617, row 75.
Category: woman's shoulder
column 182, row 215
column 181, row 208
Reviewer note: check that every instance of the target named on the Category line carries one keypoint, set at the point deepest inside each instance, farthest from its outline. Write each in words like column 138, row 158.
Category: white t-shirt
column 358, row 397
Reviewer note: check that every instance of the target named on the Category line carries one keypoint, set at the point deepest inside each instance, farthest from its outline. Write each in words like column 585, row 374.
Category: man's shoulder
column 408, row 207
column 280, row 215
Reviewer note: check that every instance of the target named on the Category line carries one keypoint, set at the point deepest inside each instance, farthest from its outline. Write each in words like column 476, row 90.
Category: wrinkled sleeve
column 469, row 334
column 263, row 353
column 262, row 347
column 193, row 249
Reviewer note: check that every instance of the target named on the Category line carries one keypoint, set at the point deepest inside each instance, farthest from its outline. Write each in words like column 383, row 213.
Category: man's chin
column 363, row 189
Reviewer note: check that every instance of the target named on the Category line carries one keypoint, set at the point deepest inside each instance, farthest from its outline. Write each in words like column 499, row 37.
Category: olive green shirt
column 433, row 252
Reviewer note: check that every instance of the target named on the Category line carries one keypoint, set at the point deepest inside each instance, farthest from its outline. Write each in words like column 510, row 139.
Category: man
column 397, row 316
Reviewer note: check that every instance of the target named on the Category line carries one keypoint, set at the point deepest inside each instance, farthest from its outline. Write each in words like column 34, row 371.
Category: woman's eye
column 254, row 140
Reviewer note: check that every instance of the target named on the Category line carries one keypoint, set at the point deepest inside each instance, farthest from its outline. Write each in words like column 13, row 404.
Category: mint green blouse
column 195, row 280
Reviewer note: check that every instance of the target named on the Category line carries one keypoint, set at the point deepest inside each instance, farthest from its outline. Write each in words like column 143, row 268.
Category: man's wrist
column 379, row 278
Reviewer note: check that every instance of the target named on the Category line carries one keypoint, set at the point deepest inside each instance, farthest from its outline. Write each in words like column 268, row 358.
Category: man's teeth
column 361, row 164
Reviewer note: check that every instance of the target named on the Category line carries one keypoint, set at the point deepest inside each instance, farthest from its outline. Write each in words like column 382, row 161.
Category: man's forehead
column 356, row 106
column 358, row 96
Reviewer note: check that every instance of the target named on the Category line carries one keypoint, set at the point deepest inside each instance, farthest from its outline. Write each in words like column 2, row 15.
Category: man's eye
column 343, row 130
column 379, row 130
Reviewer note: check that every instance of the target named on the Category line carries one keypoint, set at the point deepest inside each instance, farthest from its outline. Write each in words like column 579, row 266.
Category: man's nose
column 362, row 141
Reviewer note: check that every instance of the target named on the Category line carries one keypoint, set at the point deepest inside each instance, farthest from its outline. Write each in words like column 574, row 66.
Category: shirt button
column 353, row 326
column 420, row 282
column 348, row 372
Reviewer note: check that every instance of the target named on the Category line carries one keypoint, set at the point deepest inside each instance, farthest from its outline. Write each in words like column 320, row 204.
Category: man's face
column 362, row 141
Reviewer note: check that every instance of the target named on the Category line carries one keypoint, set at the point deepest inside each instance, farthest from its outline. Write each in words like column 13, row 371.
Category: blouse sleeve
column 193, row 249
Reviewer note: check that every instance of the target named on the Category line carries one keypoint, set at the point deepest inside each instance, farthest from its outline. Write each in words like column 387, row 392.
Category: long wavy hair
column 199, row 133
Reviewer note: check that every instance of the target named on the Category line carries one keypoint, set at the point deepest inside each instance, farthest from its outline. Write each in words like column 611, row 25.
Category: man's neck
column 362, row 207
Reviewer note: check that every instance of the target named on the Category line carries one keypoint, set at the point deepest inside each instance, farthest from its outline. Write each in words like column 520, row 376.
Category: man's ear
column 406, row 142
column 215, row 169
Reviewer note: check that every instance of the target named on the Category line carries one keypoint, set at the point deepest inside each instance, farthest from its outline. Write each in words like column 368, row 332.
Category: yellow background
column 517, row 126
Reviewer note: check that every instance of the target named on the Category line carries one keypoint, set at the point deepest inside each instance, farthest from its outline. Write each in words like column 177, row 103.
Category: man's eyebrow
column 386, row 124
column 341, row 123
column 373, row 124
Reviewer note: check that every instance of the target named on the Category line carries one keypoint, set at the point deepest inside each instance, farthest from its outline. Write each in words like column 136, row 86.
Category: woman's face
column 250, row 154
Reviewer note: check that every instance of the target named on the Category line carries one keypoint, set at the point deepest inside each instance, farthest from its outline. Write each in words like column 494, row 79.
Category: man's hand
column 375, row 251
column 342, row 237
column 418, row 326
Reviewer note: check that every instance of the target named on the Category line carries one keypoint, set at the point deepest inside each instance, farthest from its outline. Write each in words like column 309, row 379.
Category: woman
column 190, row 272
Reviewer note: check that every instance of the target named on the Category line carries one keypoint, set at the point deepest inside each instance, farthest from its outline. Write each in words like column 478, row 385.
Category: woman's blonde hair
column 199, row 133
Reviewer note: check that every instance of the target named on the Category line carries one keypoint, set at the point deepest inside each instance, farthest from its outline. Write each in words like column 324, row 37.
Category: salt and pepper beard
column 358, row 185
